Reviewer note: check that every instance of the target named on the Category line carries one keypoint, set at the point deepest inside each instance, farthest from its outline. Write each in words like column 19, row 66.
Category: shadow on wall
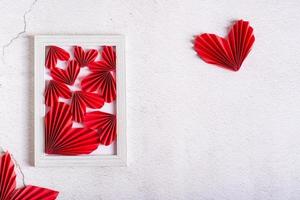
column 30, row 100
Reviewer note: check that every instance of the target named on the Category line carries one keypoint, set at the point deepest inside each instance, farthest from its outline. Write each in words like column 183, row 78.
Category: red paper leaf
column 105, row 123
column 8, row 189
column 67, row 76
column 230, row 52
column 81, row 100
column 84, row 58
column 61, row 138
column 7, row 177
column 31, row 192
column 54, row 90
column 55, row 53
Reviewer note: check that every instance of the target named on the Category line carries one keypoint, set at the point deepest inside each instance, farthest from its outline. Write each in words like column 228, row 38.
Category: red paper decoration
column 98, row 87
column 102, row 78
column 62, row 139
column 67, row 76
column 8, row 189
column 84, row 58
column 230, row 52
column 105, row 123
column 55, row 53
column 109, row 57
column 81, row 100
column 54, row 90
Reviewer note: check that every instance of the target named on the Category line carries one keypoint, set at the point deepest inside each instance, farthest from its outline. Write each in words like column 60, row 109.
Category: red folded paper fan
column 8, row 190
column 227, row 52
column 73, row 93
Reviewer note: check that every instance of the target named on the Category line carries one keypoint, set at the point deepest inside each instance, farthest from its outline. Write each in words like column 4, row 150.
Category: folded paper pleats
column 102, row 81
column 102, row 78
column 31, row 192
column 55, row 53
column 84, row 58
column 54, row 90
column 80, row 100
column 109, row 56
column 7, row 176
column 227, row 52
column 96, row 86
column 105, row 123
column 61, row 138
column 8, row 189
column 67, row 76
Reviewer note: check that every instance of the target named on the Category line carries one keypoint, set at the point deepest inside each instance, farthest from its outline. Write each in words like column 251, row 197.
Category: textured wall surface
column 195, row 131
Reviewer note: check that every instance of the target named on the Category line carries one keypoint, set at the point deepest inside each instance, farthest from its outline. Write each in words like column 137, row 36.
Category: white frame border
column 40, row 158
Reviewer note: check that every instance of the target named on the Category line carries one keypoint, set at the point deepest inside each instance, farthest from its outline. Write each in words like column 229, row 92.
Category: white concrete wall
column 195, row 131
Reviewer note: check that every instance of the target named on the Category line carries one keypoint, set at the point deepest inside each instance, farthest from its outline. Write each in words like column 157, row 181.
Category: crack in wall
column 2, row 150
column 19, row 169
column 7, row 45
column 4, row 47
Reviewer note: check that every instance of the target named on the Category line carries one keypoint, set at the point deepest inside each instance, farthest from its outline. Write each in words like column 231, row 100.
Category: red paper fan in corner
column 109, row 56
column 84, row 58
column 61, row 138
column 230, row 52
column 102, row 78
column 55, row 53
column 80, row 100
column 8, row 189
column 54, row 90
column 67, row 76
column 106, row 124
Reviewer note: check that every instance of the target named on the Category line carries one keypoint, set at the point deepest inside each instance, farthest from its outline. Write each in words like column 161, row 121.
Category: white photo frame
column 41, row 159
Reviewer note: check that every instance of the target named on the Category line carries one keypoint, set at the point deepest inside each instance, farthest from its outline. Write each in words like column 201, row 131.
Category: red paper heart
column 84, row 58
column 106, row 124
column 61, row 138
column 67, row 76
column 55, row 89
column 80, row 100
column 55, row 53
column 227, row 52
column 8, row 190
column 102, row 79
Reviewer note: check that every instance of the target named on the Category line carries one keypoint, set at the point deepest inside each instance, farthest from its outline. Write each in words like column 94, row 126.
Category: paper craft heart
column 55, row 89
column 80, row 100
column 61, row 138
column 84, row 58
column 8, row 184
column 102, row 79
column 67, row 76
column 227, row 52
column 106, row 124
column 55, row 53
